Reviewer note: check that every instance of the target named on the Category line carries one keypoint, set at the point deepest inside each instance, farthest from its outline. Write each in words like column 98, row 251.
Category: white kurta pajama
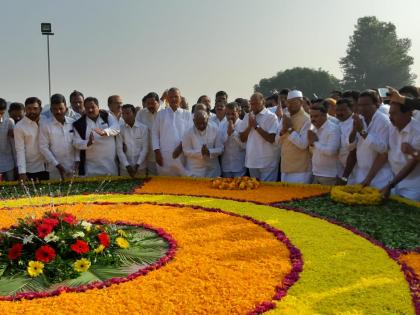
column 262, row 157
column 56, row 145
column 28, row 156
column 7, row 159
column 148, row 118
column 368, row 149
column 233, row 158
column 168, row 129
column 101, row 155
column 346, row 128
column 135, row 141
column 192, row 143
column 409, row 187
column 325, row 150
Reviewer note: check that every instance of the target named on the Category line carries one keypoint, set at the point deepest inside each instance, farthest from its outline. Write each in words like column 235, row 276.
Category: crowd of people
column 348, row 138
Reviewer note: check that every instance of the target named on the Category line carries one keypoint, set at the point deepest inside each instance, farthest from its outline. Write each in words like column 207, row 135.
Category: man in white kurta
column 95, row 134
column 344, row 112
column 56, row 141
column 30, row 162
column 324, row 140
column 202, row 146
column 7, row 161
column 258, row 129
column 147, row 117
column 233, row 157
column 132, row 144
column 405, row 131
column 168, row 130
column 371, row 133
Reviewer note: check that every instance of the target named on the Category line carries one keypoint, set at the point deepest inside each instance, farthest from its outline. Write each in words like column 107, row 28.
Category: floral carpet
column 238, row 252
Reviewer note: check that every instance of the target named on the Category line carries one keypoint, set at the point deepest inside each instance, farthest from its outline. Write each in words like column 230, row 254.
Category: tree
column 376, row 57
column 309, row 81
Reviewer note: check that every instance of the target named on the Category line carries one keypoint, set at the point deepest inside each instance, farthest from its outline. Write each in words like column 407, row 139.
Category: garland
column 356, row 195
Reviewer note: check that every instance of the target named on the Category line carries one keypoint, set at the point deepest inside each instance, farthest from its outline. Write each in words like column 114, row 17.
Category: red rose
column 50, row 221
column 70, row 219
column 15, row 251
column 103, row 239
column 45, row 254
column 44, row 229
column 80, row 247
column 55, row 215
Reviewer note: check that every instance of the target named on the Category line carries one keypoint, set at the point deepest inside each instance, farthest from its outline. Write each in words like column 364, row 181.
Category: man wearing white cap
column 258, row 129
column 293, row 137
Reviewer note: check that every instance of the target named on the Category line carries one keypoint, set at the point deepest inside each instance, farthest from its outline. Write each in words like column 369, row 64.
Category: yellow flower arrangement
column 35, row 268
column 81, row 265
column 122, row 242
column 241, row 183
column 356, row 195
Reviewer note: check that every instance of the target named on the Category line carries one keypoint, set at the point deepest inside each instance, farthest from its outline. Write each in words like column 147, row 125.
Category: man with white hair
column 202, row 145
column 168, row 130
column 293, row 137
column 258, row 129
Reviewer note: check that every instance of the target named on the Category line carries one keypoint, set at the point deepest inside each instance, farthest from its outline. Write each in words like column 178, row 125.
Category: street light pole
column 46, row 30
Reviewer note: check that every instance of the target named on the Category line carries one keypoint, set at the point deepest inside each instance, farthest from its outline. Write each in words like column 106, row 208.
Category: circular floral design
column 343, row 272
column 223, row 263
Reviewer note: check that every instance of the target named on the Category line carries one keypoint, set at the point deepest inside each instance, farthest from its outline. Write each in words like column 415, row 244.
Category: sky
column 132, row 47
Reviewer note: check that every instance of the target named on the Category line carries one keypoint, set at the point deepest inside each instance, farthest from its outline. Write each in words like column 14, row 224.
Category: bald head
column 115, row 103
column 201, row 119
column 257, row 102
column 200, row 106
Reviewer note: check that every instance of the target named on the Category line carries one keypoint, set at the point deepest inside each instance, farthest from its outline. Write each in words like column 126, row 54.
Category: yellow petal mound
column 356, row 195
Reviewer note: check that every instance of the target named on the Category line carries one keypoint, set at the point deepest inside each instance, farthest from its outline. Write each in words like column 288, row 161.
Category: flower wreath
column 356, row 195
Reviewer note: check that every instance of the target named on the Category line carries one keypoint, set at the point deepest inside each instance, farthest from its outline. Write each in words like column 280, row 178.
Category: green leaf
column 22, row 283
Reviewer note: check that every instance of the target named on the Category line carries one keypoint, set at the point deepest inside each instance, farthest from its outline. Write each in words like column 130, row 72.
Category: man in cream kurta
column 202, row 146
column 168, row 129
column 293, row 137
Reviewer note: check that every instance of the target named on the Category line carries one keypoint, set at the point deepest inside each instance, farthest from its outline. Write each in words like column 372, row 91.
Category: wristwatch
column 290, row 130
column 344, row 179
column 257, row 126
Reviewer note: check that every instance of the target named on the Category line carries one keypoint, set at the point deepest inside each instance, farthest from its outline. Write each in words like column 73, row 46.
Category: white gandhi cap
column 294, row 94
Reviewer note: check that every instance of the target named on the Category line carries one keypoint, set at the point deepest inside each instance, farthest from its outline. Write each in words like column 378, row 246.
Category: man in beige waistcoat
column 293, row 137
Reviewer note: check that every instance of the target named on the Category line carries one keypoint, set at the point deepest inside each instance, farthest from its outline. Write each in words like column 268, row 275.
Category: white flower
column 51, row 238
column 78, row 234
column 86, row 225
column 28, row 239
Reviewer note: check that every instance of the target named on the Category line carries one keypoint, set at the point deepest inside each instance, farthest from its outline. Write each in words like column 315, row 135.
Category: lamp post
column 46, row 30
